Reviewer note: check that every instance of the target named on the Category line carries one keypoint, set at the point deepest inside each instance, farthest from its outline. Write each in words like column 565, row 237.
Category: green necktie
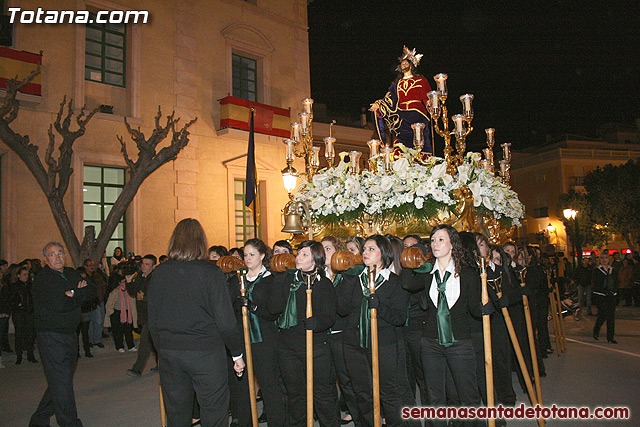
column 289, row 317
column 254, row 323
column 445, row 332
column 365, row 312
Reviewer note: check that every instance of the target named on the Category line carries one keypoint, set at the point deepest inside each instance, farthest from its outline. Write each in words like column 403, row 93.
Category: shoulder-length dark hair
column 397, row 246
column 386, row 250
column 457, row 251
column 262, row 248
column 317, row 251
column 471, row 254
column 188, row 241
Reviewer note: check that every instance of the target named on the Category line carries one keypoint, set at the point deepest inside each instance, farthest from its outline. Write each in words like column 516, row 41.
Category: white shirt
column 385, row 273
column 268, row 273
column 452, row 287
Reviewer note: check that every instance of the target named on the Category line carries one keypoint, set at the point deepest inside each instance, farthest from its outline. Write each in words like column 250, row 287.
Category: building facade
column 541, row 175
column 188, row 56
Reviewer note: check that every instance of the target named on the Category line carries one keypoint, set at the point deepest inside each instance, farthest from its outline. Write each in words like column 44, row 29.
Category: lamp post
column 571, row 215
column 552, row 229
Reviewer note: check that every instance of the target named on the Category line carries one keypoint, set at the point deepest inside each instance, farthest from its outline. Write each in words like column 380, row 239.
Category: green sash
column 254, row 323
column 365, row 312
column 445, row 331
column 289, row 317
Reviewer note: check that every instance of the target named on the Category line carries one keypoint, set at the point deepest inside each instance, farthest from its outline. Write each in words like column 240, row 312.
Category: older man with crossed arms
column 58, row 292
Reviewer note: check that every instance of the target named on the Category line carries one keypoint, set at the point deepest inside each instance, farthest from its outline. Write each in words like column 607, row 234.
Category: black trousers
column 539, row 318
column 336, row 342
column 58, row 353
column 145, row 349
column 520, row 327
column 201, row 371
column 118, row 330
column 502, row 364
column 267, row 373
column 25, row 332
column 4, row 333
column 606, row 312
column 394, row 385
column 293, row 368
column 461, row 360
column 83, row 329
column 415, row 372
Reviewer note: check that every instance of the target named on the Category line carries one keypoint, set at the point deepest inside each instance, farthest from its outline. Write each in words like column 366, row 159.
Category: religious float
column 401, row 189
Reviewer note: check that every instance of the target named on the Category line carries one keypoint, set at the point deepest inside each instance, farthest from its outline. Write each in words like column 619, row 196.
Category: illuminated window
column 105, row 53
column 244, row 217
column 102, row 186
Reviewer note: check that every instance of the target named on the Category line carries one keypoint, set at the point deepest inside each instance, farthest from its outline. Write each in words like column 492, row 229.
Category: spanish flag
column 251, row 180
column 19, row 64
column 268, row 120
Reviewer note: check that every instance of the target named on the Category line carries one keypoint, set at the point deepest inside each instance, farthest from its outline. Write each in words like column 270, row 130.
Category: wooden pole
column 554, row 316
column 532, row 343
column 521, row 362
column 163, row 411
column 563, row 334
column 486, row 333
column 248, row 353
column 309, row 278
column 375, row 361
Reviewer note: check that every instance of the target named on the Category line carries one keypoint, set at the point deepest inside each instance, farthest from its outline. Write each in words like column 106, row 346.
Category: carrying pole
column 375, row 361
column 486, row 333
column 248, row 353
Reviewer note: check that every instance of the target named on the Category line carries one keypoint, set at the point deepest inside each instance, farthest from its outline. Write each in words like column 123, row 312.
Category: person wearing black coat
column 58, row 293
column 392, row 304
column 288, row 300
column 453, row 299
column 264, row 338
column 191, row 320
column 604, row 296
column 22, row 309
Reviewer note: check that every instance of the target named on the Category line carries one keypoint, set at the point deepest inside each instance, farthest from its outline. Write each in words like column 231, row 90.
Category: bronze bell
column 293, row 223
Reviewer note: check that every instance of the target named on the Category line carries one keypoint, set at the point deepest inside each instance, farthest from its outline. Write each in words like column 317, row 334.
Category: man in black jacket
column 58, row 293
column 137, row 288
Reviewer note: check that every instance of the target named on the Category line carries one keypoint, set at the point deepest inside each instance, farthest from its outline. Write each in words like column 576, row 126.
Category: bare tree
column 54, row 174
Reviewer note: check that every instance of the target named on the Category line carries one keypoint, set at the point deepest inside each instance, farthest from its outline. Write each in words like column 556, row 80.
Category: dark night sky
column 535, row 68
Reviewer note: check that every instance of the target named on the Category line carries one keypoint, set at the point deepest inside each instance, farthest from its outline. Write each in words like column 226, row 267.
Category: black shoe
column 99, row 345
column 133, row 373
column 32, row 359
column 613, row 341
column 88, row 354
column 155, row 368
column 19, row 360
column 595, row 336
column 262, row 418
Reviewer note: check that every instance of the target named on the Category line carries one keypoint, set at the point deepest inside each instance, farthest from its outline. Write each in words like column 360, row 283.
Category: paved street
column 591, row 373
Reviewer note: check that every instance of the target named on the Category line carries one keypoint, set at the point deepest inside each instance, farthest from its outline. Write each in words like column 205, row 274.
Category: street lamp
column 571, row 214
column 552, row 229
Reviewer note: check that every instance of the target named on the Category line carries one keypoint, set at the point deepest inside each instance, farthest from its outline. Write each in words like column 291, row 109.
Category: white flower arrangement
column 410, row 188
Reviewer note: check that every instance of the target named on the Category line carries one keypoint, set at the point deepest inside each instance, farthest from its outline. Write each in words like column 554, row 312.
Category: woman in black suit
column 392, row 303
column 288, row 300
column 191, row 320
column 453, row 297
column 264, row 338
